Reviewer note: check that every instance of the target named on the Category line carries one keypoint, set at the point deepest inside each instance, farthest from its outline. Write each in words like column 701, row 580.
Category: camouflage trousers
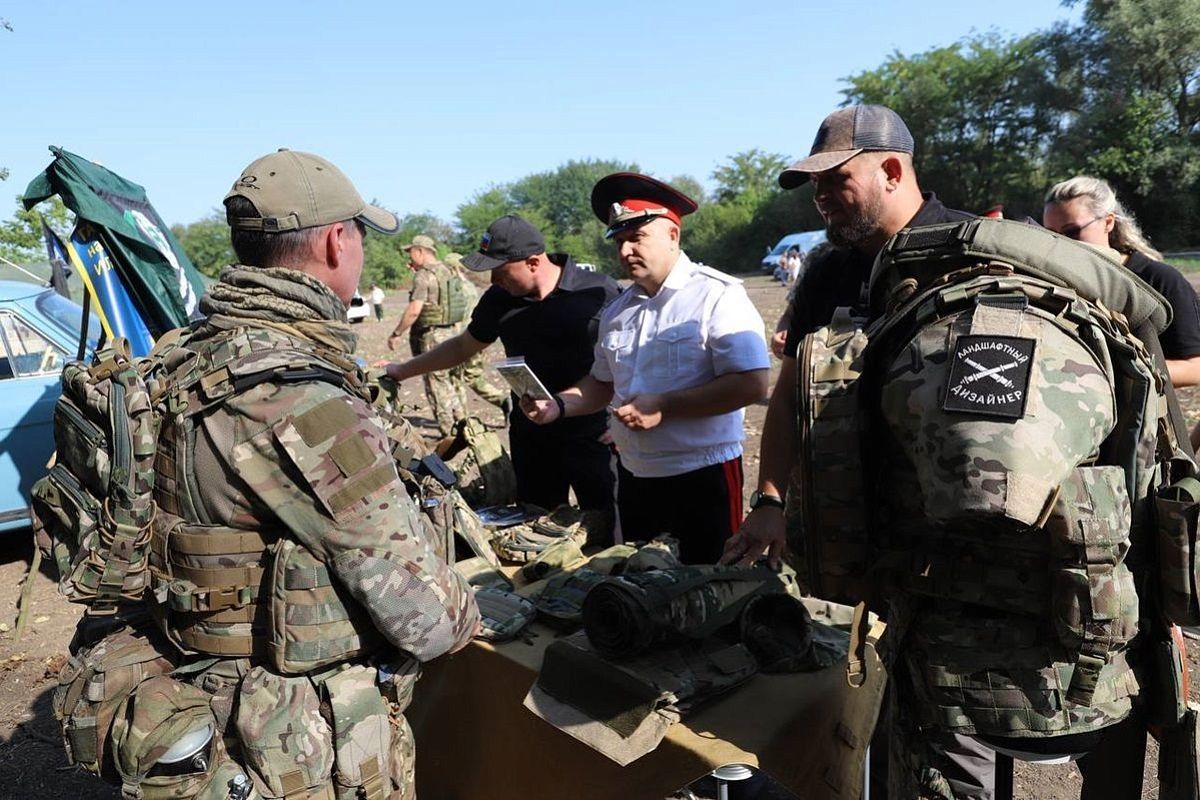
column 469, row 375
column 441, row 387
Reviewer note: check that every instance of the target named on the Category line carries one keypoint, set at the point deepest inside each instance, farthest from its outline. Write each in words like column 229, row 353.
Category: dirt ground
column 32, row 762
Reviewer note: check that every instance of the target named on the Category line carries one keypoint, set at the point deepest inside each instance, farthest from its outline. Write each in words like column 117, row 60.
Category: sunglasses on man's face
column 1073, row 231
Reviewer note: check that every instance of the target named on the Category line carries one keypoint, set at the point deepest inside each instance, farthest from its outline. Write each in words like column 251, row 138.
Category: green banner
column 155, row 271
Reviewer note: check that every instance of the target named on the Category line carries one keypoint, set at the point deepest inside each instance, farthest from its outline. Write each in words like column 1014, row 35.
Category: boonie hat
column 421, row 240
column 628, row 199
column 509, row 238
column 292, row 190
column 844, row 134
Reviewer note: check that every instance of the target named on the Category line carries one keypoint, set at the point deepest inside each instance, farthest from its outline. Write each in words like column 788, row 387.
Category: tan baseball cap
column 421, row 240
column 293, row 190
column 844, row 134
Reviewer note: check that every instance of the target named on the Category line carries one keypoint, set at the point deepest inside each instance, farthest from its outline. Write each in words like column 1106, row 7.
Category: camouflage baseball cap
column 844, row 134
column 293, row 190
column 421, row 240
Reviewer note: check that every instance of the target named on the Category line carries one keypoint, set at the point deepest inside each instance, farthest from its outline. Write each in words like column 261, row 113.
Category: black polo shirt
column 840, row 277
column 556, row 334
column 1181, row 339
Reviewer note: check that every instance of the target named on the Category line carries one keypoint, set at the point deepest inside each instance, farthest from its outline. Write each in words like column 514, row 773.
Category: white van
column 801, row 241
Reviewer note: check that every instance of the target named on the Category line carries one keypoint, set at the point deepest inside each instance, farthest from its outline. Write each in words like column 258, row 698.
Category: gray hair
column 1126, row 237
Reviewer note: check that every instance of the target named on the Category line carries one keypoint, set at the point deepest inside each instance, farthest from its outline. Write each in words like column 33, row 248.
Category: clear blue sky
column 425, row 104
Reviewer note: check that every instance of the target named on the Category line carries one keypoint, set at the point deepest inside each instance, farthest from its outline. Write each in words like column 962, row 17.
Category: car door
column 30, row 365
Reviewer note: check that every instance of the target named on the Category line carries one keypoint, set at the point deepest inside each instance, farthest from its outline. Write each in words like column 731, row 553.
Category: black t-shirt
column 840, row 277
column 556, row 334
column 1181, row 339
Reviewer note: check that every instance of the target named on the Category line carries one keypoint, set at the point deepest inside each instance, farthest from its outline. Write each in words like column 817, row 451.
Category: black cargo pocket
column 1176, row 508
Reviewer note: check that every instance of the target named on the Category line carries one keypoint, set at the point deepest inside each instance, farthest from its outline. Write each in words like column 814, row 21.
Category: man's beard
column 860, row 226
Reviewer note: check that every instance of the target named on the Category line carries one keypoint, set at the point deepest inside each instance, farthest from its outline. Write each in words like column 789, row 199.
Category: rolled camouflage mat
column 629, row 614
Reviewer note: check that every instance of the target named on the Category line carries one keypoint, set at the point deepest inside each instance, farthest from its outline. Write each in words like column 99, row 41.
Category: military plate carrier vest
column 451, row 307
column 987, row 456
column 233, row 592
column 119, row 511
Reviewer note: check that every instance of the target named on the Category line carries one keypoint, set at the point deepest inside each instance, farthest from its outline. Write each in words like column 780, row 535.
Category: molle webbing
column 451, row 307
column 95, row 510
column 208, row 585
column 826, row 519
column 242, row 358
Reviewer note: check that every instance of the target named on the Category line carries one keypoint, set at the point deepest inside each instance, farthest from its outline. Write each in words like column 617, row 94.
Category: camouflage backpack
column 1010, row 419
column 93, row 512
column 452, row 302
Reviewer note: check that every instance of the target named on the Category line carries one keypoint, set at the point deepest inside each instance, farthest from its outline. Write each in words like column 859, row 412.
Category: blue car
column 39, row 334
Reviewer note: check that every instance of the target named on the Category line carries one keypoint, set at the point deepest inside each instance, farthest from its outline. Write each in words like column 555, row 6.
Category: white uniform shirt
column 700, row 325
column 377, row 296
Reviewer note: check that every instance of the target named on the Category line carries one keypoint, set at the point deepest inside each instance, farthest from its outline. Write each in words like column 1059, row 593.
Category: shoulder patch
column 716, row 274
column 342, row 457
column 989, row 376
column 325, row 421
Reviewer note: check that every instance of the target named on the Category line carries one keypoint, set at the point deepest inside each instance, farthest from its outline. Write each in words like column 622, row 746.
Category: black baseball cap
column 509, row 238
column 844, row 134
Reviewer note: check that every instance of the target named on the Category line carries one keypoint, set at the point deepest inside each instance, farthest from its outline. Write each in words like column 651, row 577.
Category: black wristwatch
column 758, row 500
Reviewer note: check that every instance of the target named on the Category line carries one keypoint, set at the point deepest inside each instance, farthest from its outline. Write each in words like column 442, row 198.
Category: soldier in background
column 469, row 374
column 292, row 467
column 435, row 307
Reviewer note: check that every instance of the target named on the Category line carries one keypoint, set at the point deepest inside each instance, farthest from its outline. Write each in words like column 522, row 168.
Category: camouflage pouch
column 166, row 744
column 561, row 602
column 313, row 621
column 503, row 613
column 1176, row 507
column 485, row 471
column 521, row 543
column 825, row 514
column 286, row 741
column 660, row 553
column 362, row 734
column 92, row 686
column 554, row 558
column 524, row 543
column 1093, row 598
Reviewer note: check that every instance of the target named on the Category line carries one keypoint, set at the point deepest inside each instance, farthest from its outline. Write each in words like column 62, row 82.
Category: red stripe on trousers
column 733, row 485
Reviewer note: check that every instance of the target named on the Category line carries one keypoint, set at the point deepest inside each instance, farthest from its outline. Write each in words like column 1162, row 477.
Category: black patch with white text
column 989, row 375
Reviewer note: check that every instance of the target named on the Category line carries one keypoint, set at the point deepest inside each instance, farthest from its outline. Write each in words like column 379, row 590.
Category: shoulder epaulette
column 716, row 274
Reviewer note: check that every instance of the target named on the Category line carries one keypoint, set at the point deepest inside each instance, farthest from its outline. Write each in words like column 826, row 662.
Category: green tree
column 1135, row 67
column 983, row 113
column 689, row 186
column 752, row 171
column 21, row 235
column 206, row 243
column 557, row 201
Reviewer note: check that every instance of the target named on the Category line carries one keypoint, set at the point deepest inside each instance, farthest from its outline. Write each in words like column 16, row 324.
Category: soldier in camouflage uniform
column 283, row 493
column 469, row 374
column 424, row 319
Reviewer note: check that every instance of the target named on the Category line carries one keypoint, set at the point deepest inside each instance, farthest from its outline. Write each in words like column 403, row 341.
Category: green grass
column 1186, row 264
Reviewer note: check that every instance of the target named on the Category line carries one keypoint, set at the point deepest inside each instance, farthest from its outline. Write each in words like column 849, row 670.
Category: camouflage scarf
column 286, row 299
